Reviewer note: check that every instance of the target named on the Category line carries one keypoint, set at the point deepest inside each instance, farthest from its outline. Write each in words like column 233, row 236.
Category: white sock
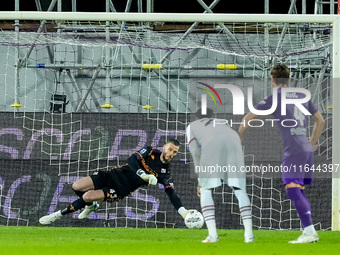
column 208, row 211
column 245, row 210
column 310, row 230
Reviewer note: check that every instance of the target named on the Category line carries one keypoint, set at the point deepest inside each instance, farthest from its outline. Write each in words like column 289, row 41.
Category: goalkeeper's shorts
column 107, row 181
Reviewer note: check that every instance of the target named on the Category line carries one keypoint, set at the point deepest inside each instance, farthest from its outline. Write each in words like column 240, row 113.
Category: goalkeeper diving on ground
column 147, row 166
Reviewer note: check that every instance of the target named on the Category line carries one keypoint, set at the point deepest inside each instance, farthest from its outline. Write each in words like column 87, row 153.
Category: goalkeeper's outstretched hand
column 150, row 178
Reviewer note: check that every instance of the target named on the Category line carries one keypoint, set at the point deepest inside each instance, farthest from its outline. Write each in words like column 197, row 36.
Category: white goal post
column 221, row 18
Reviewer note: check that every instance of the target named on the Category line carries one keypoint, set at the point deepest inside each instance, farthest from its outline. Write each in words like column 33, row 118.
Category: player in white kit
column 217, row 153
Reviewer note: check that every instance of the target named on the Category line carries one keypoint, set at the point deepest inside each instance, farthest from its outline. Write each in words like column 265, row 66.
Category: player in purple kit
column 298, row 148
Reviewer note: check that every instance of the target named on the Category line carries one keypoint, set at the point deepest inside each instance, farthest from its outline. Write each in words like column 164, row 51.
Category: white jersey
column 217, row 153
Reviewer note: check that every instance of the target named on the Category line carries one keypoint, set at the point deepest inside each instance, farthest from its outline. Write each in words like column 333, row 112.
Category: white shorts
column 210, row 183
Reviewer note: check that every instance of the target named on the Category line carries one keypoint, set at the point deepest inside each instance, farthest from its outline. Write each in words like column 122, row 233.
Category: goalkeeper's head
column 170, row 150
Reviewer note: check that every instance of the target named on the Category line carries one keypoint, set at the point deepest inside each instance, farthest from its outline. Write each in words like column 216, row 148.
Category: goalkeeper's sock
column 208, row 211
column 301, row 205
column 79, row 193
column 74, row 206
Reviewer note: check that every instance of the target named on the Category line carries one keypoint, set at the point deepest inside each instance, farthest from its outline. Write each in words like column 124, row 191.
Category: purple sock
column 304, row 195
column 301, row 205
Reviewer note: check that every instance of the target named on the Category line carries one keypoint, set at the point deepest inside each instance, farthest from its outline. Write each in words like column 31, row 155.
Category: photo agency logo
column 288, row 96
column 204, row 97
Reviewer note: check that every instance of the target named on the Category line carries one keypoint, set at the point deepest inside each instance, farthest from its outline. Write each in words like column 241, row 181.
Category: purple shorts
column 295, row 168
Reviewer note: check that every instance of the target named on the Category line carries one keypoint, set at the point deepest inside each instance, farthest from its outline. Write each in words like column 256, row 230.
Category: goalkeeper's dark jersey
column 125, row 180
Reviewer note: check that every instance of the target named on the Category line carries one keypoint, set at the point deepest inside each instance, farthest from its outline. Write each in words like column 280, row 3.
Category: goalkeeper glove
column 151, row 179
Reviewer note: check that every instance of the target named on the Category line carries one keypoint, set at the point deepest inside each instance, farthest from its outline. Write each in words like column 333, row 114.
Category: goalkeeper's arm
column 134, row 166
column 149, row 178
column 176, row 201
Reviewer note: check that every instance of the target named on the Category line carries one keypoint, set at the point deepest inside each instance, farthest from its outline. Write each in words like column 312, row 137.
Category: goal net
column 78, row 96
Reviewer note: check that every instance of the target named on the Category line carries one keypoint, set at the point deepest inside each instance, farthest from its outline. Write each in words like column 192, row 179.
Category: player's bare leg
column 84, row 189
column 296, row 194
column 83, row 185
column 88, row 197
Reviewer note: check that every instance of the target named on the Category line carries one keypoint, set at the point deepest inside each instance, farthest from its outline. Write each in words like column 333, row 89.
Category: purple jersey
column 294, row 138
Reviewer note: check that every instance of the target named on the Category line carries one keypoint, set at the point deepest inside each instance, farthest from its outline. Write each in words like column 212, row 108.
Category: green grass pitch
column 57, row 240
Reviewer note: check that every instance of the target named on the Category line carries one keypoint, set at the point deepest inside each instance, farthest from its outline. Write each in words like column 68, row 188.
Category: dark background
column 34, row 202
column 38, row 185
